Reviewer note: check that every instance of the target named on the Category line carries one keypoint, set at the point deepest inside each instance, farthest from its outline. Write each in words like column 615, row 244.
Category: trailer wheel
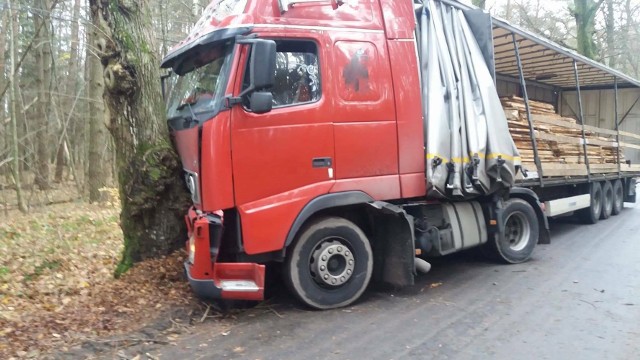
column 618, row 197
column 330, row 264
column 607, row 200
column 591, row 215
column 520, row 235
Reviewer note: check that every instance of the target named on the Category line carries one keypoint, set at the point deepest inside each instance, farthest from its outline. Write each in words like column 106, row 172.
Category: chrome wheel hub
column 332, row 263
column 517, row 231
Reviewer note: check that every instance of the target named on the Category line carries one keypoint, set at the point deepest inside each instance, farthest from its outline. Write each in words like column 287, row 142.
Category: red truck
column 348, row 139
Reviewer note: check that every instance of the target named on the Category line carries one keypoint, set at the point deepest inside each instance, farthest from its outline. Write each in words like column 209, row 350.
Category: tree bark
column 610, row 34
column 630, row 56
column 508, row 10
column 152, row 193
column 479, row 3
column 71, row 87
column 43, row 82
column 97, row 129
column 5, row 139
column 585, row 13
column 15, row 154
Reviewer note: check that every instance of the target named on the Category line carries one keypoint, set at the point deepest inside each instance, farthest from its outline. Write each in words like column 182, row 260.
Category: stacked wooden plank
column 558, row 138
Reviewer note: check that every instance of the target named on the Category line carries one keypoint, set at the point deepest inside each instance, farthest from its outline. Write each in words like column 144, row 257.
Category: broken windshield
column 202, row 89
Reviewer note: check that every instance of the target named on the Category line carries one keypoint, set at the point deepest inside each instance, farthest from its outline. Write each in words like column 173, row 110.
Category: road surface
column 578, row 298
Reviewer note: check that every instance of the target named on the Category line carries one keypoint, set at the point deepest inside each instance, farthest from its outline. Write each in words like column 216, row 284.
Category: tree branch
column 26, row 51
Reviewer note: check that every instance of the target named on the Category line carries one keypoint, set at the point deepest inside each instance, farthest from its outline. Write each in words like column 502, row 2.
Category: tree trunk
column 479, row 3
column 153, row 196
column 630, row 56
column 585, row 14
column 59, row 164
column 20, row 119
column 43, row 82
column 5, row 138
column 611, row 35
column 15, row 167
column 71, row 87
column 508, row 10
column 97, row 129
column 163, row 27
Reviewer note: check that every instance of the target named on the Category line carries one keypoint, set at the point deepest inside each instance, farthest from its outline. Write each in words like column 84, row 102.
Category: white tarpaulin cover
column 469, row 149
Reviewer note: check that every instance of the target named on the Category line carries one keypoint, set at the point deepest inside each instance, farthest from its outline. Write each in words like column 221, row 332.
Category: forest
column 52, row 81
column 65, row 226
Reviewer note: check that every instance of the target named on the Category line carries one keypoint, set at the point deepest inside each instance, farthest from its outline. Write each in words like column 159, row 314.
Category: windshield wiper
column 183, row 105
column 193, row 114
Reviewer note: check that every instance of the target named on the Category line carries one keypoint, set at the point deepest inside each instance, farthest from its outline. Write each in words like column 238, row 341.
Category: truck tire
column 591, row 215
column 521, row 231
column 607, row 200
column 618, row 197
column 330, row 263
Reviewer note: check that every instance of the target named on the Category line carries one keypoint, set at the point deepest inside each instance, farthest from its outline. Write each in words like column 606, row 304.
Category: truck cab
column 281, row 110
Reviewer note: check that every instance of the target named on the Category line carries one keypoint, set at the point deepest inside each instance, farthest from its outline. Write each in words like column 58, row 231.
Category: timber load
column 558, row 138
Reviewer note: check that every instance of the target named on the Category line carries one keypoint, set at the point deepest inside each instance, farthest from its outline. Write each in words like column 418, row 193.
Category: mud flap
column 393, row 245
column 630, row 195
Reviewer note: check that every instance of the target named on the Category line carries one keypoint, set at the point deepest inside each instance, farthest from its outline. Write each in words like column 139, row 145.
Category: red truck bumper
column 215, row 280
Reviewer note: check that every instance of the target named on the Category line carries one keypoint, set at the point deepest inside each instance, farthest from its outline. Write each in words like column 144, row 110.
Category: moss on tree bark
column 584, row 12
column 153, row 196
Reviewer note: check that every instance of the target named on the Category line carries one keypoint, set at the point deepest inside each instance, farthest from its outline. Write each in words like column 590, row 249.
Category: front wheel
column 330, row 263
column 520, row 235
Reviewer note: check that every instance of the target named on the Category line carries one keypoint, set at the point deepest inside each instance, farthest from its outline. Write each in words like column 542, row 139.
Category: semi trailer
column 350, row 140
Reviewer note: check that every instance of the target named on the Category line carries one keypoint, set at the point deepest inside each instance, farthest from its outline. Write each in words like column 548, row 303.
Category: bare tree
column 15, row 168
column 71, row 84
column 630, row 35
column 153, row 196
column 508, row 10
column 584, row 12
column 97, row 129
column 43, row 83
column 610, row 33
column 479, row 3
column 5, row 139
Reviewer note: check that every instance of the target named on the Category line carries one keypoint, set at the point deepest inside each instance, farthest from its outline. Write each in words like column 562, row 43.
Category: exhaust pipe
column 421, row 265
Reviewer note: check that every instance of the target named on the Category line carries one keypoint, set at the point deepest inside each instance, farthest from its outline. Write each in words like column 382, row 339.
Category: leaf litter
column 57, row 286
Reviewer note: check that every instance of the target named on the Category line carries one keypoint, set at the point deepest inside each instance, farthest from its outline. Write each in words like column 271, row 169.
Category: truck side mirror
column 261, row 102
column 262, row 74
column 263, row 64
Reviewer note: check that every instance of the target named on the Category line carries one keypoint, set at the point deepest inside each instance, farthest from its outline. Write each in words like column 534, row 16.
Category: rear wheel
column 607, row 200
column 330, row 263
column 618, row 197
column 520, row 234
column 591, row 215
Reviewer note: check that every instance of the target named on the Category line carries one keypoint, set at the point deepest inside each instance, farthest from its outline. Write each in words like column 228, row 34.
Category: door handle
column 321, row 162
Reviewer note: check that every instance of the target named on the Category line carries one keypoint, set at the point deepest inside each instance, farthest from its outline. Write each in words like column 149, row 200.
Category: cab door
column 284, row 158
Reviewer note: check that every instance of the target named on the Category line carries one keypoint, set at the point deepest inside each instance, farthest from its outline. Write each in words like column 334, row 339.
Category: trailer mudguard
column 529, row 196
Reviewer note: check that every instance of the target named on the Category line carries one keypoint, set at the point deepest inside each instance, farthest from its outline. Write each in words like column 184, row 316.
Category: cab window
column 297, row 77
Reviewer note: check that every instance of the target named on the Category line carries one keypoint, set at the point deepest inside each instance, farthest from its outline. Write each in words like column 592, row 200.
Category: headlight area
column 191, row 180
column 191, row 246
column 209, row 278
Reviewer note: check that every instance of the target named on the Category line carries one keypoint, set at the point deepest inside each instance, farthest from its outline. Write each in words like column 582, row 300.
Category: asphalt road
column 578, row 298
